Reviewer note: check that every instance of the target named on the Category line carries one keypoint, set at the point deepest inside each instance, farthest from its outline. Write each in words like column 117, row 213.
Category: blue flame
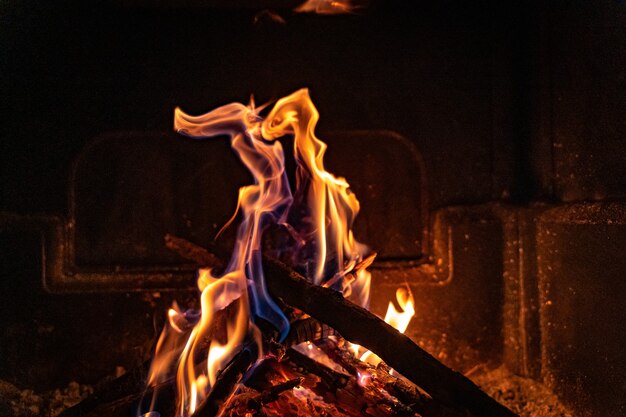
column 265, row 202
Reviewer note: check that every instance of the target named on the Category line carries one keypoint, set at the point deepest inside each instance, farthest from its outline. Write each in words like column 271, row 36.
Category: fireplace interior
column 485, row 141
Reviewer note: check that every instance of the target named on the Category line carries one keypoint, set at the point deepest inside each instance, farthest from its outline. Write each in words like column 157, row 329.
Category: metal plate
column 129, row 189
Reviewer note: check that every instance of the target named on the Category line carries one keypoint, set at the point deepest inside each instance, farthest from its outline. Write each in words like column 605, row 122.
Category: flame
column 329, row 7
column 319, row 215
column 267, row 200
column 401, row 319
column 363, row 378
column 398, row 319
column 325, row 200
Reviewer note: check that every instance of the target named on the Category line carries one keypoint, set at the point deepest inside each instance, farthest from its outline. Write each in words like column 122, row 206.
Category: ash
column 525, row 396
column 16, row 402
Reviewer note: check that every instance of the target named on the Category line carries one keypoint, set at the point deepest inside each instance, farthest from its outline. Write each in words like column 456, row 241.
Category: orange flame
column 320, row 215
column 401, row 319
column 398, row 319
column 268, row 197
column 332, row 206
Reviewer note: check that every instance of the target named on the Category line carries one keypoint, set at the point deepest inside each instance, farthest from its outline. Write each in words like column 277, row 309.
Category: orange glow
column 329, row 6
column 401, row 319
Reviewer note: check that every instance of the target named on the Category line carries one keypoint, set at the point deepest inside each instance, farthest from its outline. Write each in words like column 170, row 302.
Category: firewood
column 331, row 378
column 227, row 381
column 131, row 387
column 322, row 387
column 364, row 328
column 272, row 393
column 128, row 388
column 397, row 350
column 406, row 392
column 403, row 390
column 307, row 330
column 192, row 252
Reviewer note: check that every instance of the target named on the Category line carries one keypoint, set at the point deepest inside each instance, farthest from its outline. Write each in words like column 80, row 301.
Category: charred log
column 329, row 377
column 396, row 349
column 272, row 393
column 192, row 252
column 227, row 382
column 361, row 326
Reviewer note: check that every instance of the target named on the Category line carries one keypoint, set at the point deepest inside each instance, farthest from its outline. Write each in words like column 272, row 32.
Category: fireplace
column 483, row 141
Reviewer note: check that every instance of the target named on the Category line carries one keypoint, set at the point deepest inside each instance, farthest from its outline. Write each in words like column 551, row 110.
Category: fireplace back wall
column 508, row 121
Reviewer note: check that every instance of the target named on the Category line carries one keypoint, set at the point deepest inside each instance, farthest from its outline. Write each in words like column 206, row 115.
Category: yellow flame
column 398, row 319
column 333, row 207
column 193, row 381
column 338, row 259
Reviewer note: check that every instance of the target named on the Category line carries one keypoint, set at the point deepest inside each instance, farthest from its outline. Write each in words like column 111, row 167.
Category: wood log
column 227, row 382
column 397, row 350
column 329, row 377
column 131, row 387
column 272, row 393
column 364, row 328
column 323, row 389
column 403, row 390
column 307, row 330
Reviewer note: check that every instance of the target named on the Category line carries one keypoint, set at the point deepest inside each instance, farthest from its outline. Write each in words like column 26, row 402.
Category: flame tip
column 323, row 237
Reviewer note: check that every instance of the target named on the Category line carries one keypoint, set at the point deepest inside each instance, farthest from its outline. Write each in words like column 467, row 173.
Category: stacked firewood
column 289, row 382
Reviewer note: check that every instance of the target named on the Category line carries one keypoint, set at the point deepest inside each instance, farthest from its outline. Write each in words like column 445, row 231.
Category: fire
column 398, row 319
column 325, row 199
column 319, row 216
column 401, row 319
column 330, row 6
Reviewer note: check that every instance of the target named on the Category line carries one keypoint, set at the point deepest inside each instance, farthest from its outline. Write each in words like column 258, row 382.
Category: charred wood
column 272, row 393
column 406, row 392
column 227, row 382
column 364, row 328
column 329, row 377
column 307, row 330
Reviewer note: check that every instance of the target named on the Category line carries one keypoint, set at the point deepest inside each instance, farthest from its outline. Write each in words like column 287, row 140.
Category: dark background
column 514, row 103
column 498, row 97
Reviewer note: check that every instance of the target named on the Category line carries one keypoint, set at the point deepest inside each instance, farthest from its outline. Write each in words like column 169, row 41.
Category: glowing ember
column 364, row 378
column 318, row 216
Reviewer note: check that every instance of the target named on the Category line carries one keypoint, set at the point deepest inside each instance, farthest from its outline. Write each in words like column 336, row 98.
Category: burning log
column 335, row 381
column 361, row 326
column 273, row 393
column 227, row 382
column 323, row 388
column 307, row 330
column 407, row 393
column 331, row 378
